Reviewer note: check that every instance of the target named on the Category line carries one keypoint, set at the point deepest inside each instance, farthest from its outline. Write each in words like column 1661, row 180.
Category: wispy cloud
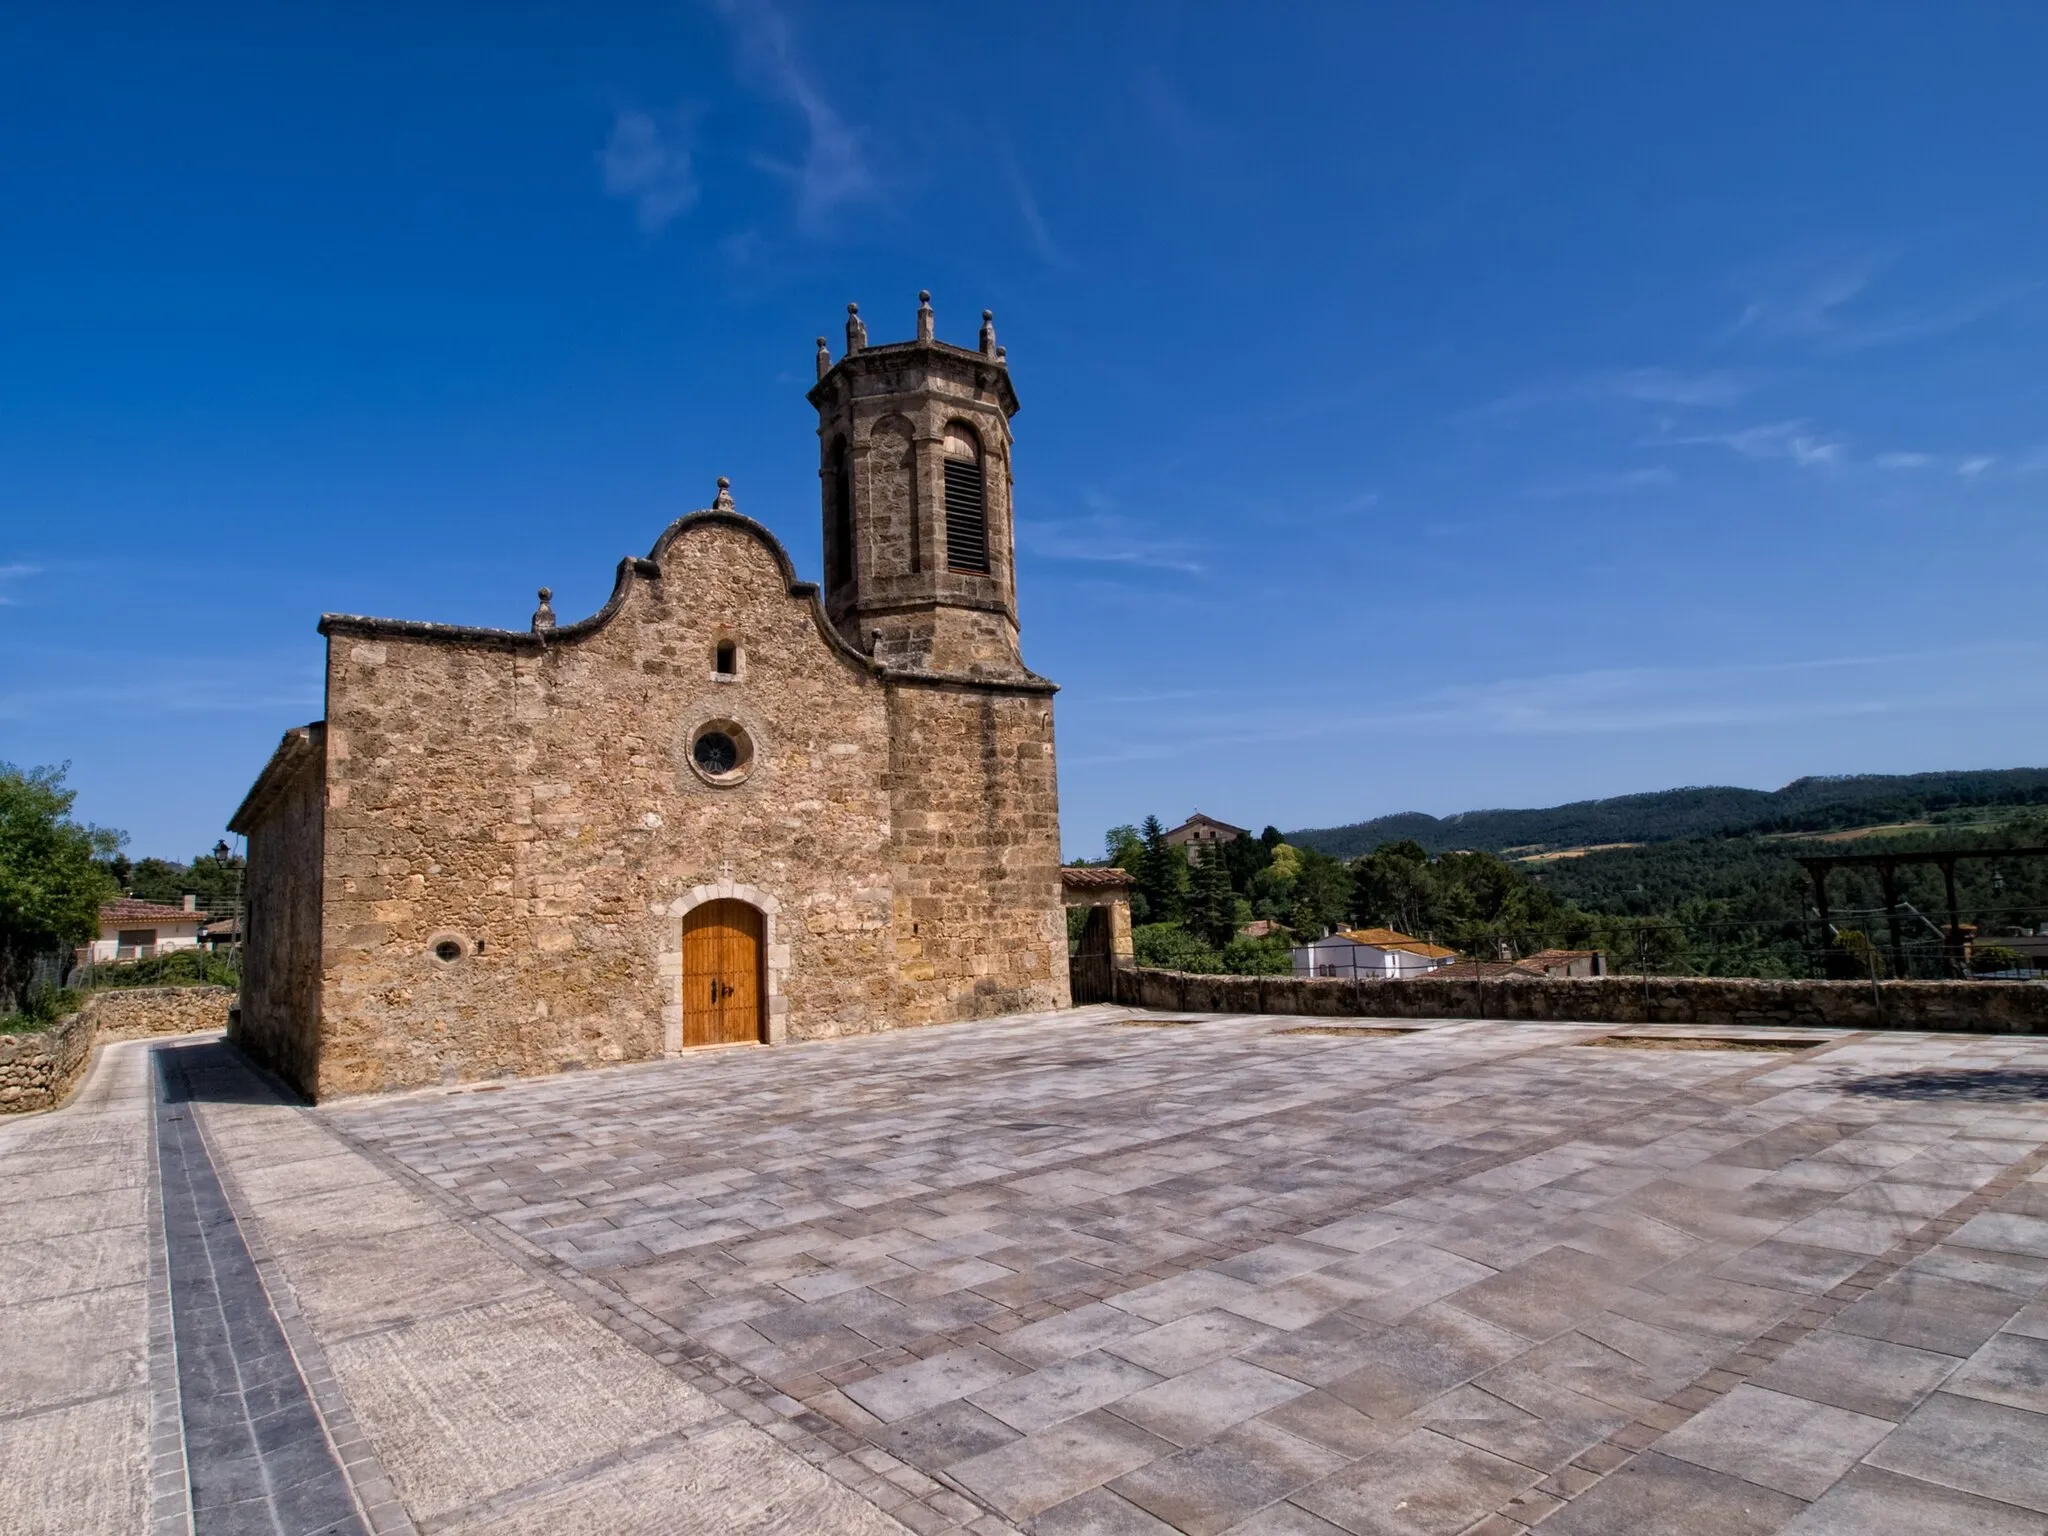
column 1601, row 701
column 1796, row 441
column 1106, row 537
column 1028, row 212
column 1669, row 386
column 836, row 168
column 1619, row 482
column 1173, row 120
column 1831, row 300
column 14, row 572
column 647, row 162
column 1801, row 295
column 1643, row 386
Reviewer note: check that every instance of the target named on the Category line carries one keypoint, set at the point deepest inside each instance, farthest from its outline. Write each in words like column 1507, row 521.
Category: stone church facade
column 727, row 807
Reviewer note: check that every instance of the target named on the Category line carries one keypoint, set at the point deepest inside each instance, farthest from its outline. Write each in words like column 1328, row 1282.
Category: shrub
column 44, row 1007
column 1988, row 958
column 173, row 968
column 1258, row 957
column 1170, row 947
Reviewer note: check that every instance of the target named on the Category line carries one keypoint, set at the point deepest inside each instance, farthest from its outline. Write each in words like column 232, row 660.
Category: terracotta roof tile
column 128, row 909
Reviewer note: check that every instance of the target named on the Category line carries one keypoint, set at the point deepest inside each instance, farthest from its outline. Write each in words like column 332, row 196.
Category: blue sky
column 1424, row 407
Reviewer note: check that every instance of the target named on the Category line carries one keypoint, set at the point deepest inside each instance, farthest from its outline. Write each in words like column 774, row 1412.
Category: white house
column 135, row 930
column 1373, row 953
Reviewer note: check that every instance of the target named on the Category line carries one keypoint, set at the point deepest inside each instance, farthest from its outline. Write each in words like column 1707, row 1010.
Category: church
column 728, row 807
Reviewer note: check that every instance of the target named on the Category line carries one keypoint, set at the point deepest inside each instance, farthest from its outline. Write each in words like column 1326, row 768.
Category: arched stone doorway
column 708, row 918
column 724, row 947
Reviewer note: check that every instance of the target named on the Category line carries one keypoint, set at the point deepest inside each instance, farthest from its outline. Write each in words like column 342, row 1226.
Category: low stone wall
column 38, row 1070
column 1993, row 1007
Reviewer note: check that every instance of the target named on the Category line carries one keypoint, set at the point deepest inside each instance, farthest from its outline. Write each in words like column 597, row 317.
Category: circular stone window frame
column 743, row 741
column 439, row 941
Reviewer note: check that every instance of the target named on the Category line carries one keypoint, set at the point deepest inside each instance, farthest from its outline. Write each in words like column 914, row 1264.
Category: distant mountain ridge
column 1815, row 804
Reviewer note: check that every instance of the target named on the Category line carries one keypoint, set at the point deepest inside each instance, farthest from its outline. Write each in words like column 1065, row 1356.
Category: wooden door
column 721, row 974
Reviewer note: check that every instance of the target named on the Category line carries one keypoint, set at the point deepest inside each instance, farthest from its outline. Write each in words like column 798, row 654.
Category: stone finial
column 824, row 358
column 856, row 333
column 1003, row 356
column 724, row 501
column 988, row 333
column 544, row 615
column 924, row 314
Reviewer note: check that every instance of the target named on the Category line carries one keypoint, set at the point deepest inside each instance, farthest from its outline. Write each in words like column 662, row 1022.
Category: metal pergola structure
column 1820, row 866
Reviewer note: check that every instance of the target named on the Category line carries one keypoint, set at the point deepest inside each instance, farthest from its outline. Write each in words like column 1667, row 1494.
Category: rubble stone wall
column 278, row 1021
column 980, row 919
column 39, row 1069
column 1987, row 1006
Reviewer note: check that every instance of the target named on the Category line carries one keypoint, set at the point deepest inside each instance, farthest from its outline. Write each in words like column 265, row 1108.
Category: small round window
column 716, row 753
column 721, row 752
column 448, row 949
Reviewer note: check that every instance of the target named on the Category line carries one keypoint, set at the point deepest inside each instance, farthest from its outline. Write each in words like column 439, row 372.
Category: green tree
column 1396, row 888
column 1162, row 876
column 1212, row 904
column 1244, row 857
column 51, row 880
column 215, row 880
column 1324, row 894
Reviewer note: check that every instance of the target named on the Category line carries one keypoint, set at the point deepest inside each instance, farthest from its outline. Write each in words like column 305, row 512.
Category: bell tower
column 914, row 471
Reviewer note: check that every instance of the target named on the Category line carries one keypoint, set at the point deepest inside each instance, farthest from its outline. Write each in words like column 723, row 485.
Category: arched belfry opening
column 966, row 495
column 839, row 551
column 914, row 443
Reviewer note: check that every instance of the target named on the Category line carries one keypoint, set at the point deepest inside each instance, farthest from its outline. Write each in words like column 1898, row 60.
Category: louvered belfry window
column 967, row 506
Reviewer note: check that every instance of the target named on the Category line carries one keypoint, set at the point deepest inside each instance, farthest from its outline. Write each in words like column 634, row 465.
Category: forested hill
column 1804, row 805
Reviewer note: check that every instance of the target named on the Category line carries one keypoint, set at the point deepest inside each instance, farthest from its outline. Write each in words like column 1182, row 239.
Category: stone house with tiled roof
column 131, row 929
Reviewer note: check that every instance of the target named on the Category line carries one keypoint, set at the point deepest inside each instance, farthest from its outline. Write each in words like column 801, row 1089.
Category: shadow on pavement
column 1982, row 1085
column 215, row 1072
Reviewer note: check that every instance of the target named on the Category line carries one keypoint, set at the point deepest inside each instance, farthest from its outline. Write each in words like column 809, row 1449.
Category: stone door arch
column 722, row 974
column 772, row 1011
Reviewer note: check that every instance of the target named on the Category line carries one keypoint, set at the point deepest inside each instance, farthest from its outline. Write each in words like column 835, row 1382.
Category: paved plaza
column 1086, row 1272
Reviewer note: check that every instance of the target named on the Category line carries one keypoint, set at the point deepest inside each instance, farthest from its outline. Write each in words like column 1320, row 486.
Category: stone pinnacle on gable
column 856, row 332
column 824, row 358
column 544, row 615
column 988, row 334
column 724, row 502
column 925, row 317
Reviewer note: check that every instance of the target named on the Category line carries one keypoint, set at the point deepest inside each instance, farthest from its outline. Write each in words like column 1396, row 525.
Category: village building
column 1549, row 963
column 1199, row 833
column 1370, row 953
column 728, row 807
column 131, row 929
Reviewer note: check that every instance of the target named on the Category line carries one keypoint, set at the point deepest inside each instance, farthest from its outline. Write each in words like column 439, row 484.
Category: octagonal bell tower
column 914, row 471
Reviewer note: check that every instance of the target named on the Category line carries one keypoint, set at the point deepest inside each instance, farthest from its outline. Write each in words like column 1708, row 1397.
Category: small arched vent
column 966, row 502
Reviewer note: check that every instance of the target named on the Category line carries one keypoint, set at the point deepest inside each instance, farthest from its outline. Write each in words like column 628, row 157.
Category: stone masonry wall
column 38, row 1070
column 278, row 1022
column 1992, row 1007
column 980, row 928
column 538, row 809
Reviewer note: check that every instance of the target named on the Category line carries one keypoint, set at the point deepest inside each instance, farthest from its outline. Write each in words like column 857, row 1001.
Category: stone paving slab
column 1475, row 1277
column 1057, row 1275
column 74, row 1314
